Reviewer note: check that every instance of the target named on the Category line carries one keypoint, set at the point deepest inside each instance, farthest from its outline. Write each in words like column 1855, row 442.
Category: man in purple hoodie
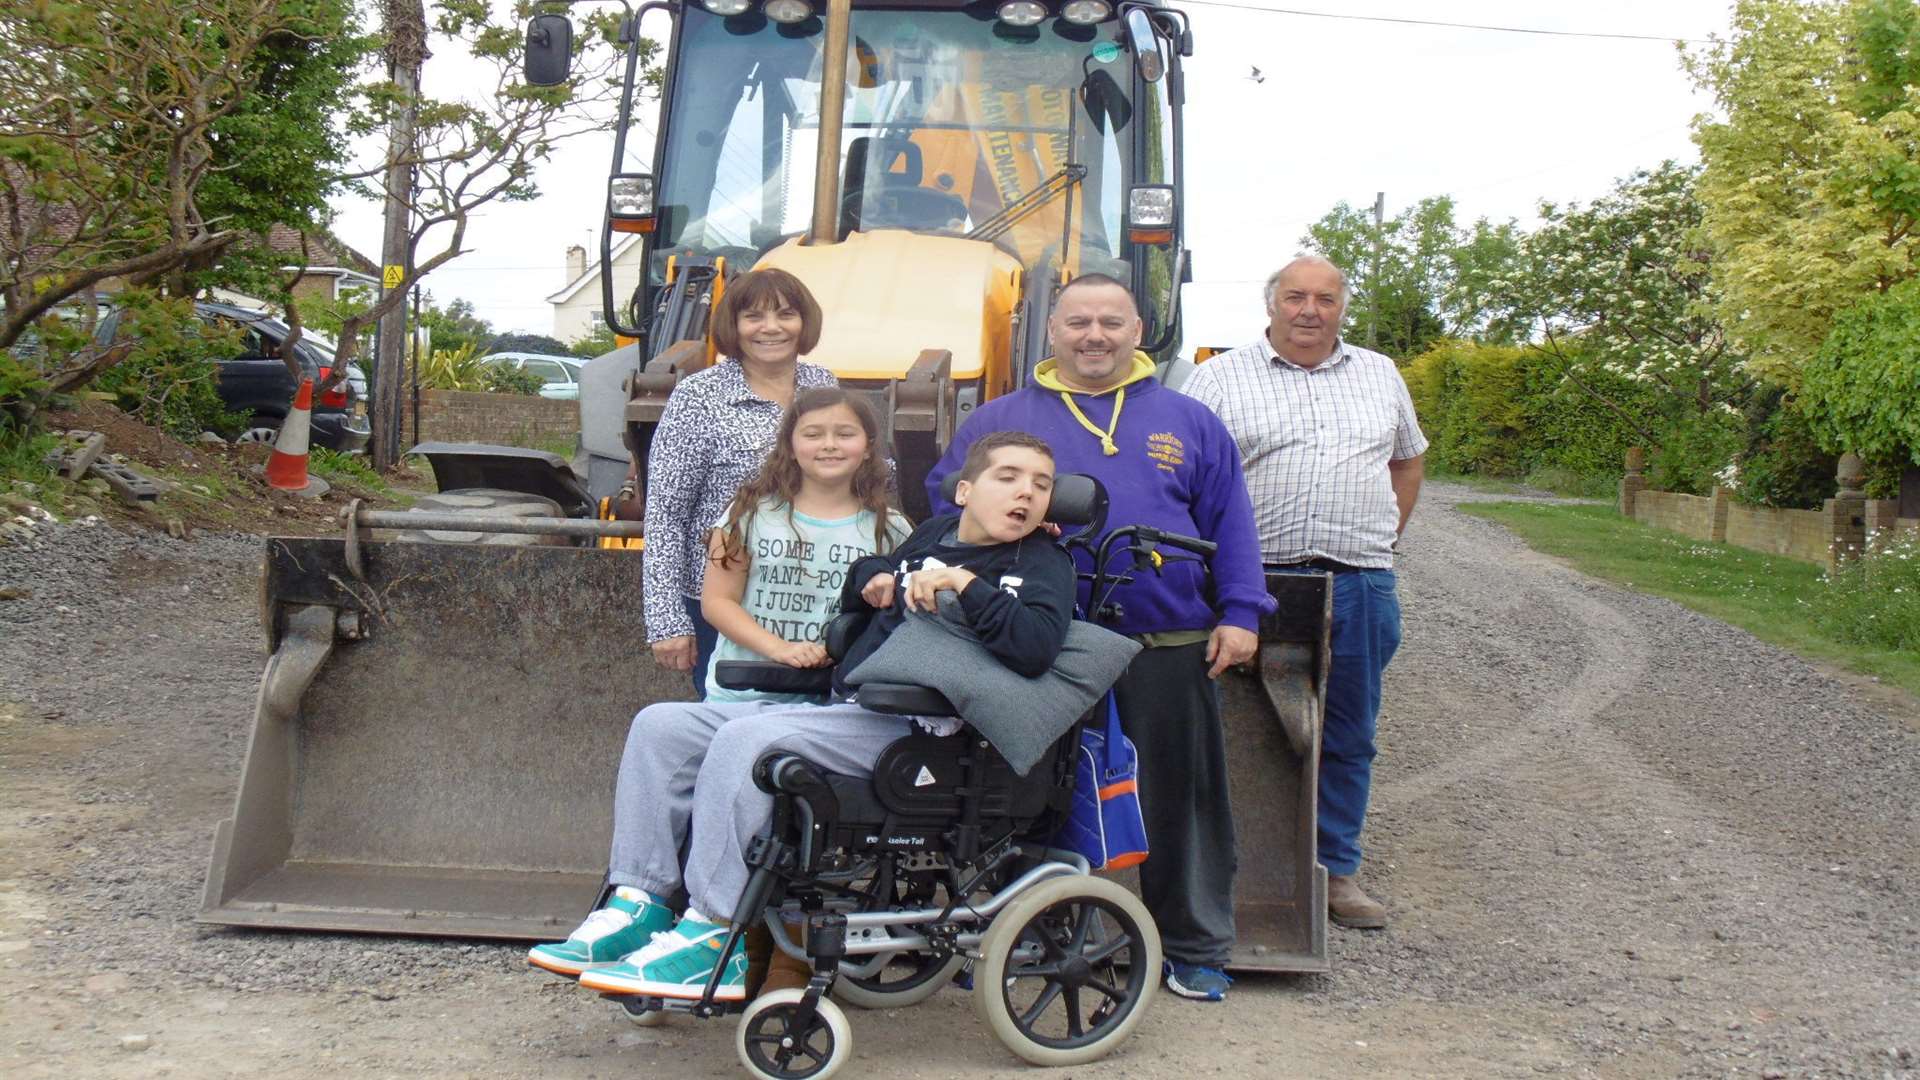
column 1167, row 461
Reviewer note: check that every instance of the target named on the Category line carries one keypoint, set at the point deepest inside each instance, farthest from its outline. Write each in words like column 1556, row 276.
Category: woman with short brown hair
column 714, row 434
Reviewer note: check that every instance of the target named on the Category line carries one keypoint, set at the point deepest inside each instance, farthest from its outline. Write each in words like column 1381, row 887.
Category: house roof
column 323, row 250
column 592, row 273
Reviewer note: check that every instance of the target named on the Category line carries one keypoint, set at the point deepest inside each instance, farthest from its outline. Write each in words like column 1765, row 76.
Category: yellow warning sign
column 394, row 276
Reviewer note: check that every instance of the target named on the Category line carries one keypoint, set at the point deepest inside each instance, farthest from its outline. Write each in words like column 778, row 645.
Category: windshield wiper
column 1030, row 203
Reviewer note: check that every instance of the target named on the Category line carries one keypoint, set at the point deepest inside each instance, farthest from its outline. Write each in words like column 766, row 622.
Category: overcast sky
column 1348, row 107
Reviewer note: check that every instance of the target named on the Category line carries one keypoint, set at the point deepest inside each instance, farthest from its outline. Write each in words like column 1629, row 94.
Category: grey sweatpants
column 686, row 779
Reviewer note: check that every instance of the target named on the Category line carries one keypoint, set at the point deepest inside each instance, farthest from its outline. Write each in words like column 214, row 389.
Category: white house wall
column 578, row 313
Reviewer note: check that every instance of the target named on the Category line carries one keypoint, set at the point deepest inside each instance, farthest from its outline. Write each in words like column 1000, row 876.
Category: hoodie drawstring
column 1105, row 437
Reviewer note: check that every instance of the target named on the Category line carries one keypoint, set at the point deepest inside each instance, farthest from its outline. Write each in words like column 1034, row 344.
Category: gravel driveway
column 1620, row 839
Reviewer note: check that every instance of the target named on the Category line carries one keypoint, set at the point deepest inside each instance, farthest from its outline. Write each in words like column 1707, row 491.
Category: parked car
column 559, row 375
column 256, row 383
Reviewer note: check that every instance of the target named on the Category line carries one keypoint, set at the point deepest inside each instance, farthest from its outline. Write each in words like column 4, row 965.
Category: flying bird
column 1257, row 77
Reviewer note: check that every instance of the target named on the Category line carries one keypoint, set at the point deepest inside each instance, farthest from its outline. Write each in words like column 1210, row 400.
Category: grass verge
column 1782, row 601
column 564, row 445
column 1562, row 482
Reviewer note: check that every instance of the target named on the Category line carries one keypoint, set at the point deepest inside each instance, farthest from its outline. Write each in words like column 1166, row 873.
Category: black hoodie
column 1019, row 603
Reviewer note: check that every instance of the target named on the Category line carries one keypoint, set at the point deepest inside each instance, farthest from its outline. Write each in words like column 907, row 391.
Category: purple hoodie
column 1177, row 469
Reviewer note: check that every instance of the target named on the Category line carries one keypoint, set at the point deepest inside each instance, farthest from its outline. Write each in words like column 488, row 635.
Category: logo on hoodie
column 1166, row 450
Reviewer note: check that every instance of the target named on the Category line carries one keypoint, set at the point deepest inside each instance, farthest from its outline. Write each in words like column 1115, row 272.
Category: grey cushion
column 1020, row 716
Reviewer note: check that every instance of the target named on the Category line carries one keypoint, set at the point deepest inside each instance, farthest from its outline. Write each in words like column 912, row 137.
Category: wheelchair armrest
column 904, row 699
column 839, row 633
column 772, row 677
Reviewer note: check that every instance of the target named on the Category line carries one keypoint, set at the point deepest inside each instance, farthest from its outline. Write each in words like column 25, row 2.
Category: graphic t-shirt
column 797, row 565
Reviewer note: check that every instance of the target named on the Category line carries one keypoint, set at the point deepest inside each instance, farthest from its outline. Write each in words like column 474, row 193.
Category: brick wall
column 1883, row 516
column 1798, row 534
column 508, row 419
column 1689, row 515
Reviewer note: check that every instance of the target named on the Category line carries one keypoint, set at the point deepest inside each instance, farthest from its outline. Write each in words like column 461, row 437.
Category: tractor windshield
column 954, row 124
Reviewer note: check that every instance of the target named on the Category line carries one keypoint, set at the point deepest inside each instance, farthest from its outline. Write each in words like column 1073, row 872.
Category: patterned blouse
column 712, row 438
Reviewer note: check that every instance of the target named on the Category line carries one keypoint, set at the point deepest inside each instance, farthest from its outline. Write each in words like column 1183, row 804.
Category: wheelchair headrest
column 1078, row 499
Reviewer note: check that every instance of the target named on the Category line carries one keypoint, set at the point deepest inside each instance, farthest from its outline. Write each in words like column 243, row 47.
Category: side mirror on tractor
column 1147, row 59
column 549, row 56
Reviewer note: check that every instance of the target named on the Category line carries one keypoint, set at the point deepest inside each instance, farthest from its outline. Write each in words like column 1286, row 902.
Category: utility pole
column 406, row 25
column 1373, row 275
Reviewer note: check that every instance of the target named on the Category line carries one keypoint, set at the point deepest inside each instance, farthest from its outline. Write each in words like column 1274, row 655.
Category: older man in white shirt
column 1332, row 453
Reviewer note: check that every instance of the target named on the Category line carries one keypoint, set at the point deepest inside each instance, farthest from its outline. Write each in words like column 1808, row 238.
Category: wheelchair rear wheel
column 1067, row 970
column 906, row 978
column 773, row 1045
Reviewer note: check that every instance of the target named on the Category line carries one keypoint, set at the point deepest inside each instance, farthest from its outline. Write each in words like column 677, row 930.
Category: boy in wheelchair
column 686, row 780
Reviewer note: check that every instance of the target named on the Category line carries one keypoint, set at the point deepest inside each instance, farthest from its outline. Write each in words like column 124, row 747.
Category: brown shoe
column 784, row 973
column 1350, row 907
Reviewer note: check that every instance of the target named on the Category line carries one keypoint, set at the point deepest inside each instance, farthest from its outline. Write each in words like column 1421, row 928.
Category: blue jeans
column 704, row 639
column 1366, row 632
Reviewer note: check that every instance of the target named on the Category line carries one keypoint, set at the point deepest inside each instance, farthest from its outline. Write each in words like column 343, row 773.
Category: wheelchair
column 938, row 860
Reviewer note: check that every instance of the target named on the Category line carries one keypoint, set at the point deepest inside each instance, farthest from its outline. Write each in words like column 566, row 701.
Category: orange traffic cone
column 287, row 468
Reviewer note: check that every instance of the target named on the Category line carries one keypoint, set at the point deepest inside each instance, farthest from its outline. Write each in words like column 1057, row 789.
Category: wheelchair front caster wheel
column 1067, row 969
column 639, row 1015
column 773, row 1045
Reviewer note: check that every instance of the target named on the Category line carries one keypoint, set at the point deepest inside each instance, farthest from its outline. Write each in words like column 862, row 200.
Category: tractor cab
column 1048, row 132
column 932, row 170
column 1029, row 129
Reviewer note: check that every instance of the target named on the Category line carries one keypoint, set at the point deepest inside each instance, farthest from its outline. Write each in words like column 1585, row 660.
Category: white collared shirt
column 1314, row 443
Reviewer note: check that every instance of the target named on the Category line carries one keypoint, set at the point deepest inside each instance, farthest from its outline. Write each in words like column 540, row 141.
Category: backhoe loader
column 438, row 724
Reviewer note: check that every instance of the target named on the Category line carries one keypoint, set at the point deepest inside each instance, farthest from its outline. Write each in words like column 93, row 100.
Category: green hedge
column 1509, row 411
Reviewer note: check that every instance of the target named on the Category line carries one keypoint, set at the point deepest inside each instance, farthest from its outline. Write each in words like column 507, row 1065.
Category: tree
column 277, row 154
column 453, row 156
column 148, row 143
column 533, row 343
column 1811, row 185
column 598, row 343
column 455, row 326
column 1433, row 279
column 1627, row 279
column 128, row 147
column 1861, row 390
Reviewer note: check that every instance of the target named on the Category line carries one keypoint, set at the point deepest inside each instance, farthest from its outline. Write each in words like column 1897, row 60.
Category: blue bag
column 1105, row 824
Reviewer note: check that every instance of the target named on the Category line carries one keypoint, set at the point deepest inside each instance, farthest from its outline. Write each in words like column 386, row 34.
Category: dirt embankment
column 209, row 487
column 1619, row 839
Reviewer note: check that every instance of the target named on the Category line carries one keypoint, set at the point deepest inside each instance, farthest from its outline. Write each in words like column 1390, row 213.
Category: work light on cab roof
column 1085, row 12
column 1022, row 13
column 789, row 12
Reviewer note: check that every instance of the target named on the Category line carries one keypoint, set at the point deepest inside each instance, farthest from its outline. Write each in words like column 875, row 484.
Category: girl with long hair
column 777, row 561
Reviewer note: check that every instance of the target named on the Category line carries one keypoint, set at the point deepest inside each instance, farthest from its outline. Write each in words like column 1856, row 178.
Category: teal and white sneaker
column 624, row 926
column 677, row 965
